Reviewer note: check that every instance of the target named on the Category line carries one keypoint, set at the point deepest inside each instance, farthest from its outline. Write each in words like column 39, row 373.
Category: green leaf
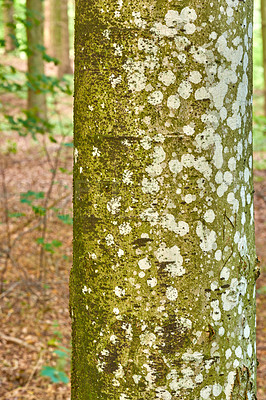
column 56, row 243
column 62, row 376
column 48, row 247
column 259, row 164
column 46, row 286
column 11, row 147
column 51, row 373
column 58, row 334
column 65, row 349
column 66, row 219
column 61, row 353
column 16, row 215
column 30, row 193
column 66, row 171
column 26, row 201
column 258, row 178
column 52, row 139
column 69, row 144
column 54, row 375
column 52, row 342
column 262, row 290
column 38, row 210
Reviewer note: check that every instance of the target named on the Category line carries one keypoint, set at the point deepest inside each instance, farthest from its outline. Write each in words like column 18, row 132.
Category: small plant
column 57, row 373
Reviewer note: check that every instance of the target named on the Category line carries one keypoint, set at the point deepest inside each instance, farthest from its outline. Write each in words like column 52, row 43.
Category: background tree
column 9, row 25
column 263, row 25
column 59, row 35
column 163, row 280
column 35, row 51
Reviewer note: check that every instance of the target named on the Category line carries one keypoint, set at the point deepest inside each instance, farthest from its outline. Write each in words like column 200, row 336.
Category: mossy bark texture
column 163, row 282
column 35, row 40
column 9, row 25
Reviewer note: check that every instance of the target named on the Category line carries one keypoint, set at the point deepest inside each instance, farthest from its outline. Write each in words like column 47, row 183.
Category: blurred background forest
column 36, row 84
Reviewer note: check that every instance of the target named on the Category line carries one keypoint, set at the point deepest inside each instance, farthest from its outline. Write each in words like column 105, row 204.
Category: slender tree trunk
column 162, row 289
column 54, row 22
column 9, row 25
column 59, row 35
column 36, row 98
column 47, row 26
column 263, row 25
column 64, row 66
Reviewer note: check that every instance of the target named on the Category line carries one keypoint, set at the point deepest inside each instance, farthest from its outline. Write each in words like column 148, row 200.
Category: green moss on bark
column 162, row 285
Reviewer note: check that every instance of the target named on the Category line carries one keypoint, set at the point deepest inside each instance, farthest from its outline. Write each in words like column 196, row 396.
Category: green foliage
column 30, row 123
column 9, row 79
column 259, row 164
column 16, row 121
column 258, row 178
column 30, row 195
column 66, row 219
column 70, row 144
column 54, row 375
column 57, row 373
column 259, row 132
column 10, row 147
column 262, row 290
column 257, row 49
column 49, row 246
column 16, row 215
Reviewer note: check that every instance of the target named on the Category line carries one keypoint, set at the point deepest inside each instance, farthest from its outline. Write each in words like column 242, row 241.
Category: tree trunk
column 64, row 66
column 47, row 26
column 9, row 25
column 36, row 97
column 55, row 20
column 59, row 35
column 263, row 25
column 162, row 289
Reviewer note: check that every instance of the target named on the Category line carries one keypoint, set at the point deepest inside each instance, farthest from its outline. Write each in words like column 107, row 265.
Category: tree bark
column 47, row 26
column 9, row 25
column 263, row 28
column 59, row 35
column 35, row 42
column 65, row 65
column 162, row 291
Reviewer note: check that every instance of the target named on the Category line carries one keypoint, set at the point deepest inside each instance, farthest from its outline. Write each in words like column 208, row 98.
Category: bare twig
column 25, row 233
column 16, row 341
column 42, row 270
column 33, row 370
column 10, row 289
column 6, row 220
column 32, row 218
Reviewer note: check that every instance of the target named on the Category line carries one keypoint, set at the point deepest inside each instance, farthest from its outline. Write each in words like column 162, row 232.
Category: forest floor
column 35, row 324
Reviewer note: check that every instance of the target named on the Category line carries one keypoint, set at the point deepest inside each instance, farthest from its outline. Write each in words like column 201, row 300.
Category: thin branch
column 47, row 198
column 33, row 371
column 15, row 340
column 6, row 220
column 10, row 289
column 29, row 221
